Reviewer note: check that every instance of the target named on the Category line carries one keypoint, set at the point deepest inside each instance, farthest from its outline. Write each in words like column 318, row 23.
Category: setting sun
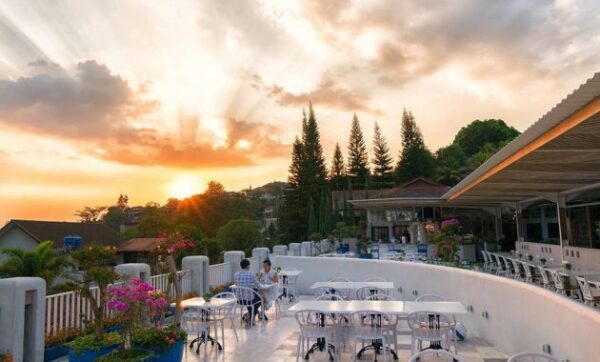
column 184, row 186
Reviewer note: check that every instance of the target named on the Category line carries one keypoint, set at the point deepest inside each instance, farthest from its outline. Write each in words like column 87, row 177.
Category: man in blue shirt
column 244, row 278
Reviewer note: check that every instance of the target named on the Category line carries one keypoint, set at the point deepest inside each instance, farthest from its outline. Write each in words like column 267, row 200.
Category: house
column 27, row 234
column 139, row 250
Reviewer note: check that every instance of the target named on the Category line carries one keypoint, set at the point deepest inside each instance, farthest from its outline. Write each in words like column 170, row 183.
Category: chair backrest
column 245, row 293
column 437, row 355
column 192, row 320
column 430, row 298
column 527, row 270
column 326, row 296
column 313, row 319
column 225, row 295
column 371, row 319
column 326, row 291
column 486, row 257
column 556, row 279
column 516, row 265
column 364, row 292
column 429, row 322
column 544, row 274
column 585, row 287
column 339, row 279
column 375, row 279
column 379, row 296
column 499, row 261
column 532, row 357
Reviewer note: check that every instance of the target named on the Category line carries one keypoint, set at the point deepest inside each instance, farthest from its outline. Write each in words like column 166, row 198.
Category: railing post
column 261, row 254
column 198, row 266
column 294, row 249
column 134, row 270
column 22, row 319
column 280, row 250
column 306, row 248
column 233, row 257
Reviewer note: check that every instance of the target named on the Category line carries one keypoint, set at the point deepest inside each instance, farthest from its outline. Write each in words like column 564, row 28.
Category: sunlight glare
column 184, row 186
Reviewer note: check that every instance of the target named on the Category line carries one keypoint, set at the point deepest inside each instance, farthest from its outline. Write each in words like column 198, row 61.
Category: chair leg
column 299, row 347
column 234, row 330
column 353, row 349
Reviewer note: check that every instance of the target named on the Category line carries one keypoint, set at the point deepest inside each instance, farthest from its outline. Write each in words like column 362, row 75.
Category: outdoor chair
column 517, row 269
column 329, row 297
column 437, row 298
column 231, row 315
column 195, row 322
column 527, row 269
column 561, row 287
column 430, row 327
column 245, row 296
column 289, row 288
column 435, row 355
column 364, row 292
column 532, row 357
column 545, row 278
column 218, row 316
column 371, row 326
column 313, row 325
column 590, row 296
column 501, row 267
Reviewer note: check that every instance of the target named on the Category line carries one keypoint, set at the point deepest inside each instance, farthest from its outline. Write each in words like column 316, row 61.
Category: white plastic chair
column 429, row 327
column 364, row 292
column 589, row 297
column 313, row 325
column 242, row 294
column 231, row 315
column 368, row 326
column 437, row 298
column 329, row 297
column 528, row 273
column 391, row 327
column 544, row 276
column 516, row 266
column 560, row 286
column 290, row 284
column 532, row 357
column 437, row 355
column 195, row 322
column 344, row 293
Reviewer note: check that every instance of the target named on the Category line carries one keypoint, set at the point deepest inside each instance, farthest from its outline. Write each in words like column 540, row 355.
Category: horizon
column 102, row 99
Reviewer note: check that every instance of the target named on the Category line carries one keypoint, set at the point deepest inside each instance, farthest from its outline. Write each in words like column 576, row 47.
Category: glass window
column 534, row 232
column 550, row 211
column 553, row 230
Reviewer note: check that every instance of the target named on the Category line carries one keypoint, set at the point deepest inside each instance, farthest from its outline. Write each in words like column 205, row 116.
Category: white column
column 294, row 249
column 134, row 270
column 234, row 257
column 198, row 266
column 306, row 248
column 280, row 250
column 261, row 254
column 23, row 317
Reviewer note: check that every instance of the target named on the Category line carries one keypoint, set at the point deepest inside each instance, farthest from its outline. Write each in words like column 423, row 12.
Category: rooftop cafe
column 317, row 306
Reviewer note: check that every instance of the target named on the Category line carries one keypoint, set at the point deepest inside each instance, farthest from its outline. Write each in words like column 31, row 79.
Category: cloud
column 327, row 93
column 97, row 110
column 510, row 42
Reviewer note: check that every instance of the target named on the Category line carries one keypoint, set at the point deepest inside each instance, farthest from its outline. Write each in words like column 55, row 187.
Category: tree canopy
column 415, row 159
column 239, row 234
column 358, row 158
column 382, row 160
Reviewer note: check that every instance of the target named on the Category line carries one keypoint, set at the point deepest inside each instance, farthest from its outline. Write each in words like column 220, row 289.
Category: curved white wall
column 520, row 317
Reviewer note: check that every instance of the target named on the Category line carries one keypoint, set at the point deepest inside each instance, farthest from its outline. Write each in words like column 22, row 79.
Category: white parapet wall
column 198, row 267
column 261, row 254
column 514, row 316
column 22, row 318
column 280, row 250
column 134, row 270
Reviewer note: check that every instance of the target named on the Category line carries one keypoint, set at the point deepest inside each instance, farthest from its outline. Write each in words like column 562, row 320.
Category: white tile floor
column 276, row 340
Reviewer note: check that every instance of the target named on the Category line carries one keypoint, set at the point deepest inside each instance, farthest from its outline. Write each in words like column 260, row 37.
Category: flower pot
column 90, row 355
column 172, row 354
column 55, row 352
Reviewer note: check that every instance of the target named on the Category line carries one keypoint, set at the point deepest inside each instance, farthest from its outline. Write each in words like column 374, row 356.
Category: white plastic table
column 290, row 273
column 199, row 302
column 383, row 306
column 353, row 285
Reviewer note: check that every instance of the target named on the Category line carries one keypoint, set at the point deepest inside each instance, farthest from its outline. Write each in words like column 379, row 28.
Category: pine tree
column 357, row 153
column 337, row 174
column 415, row 159
column 382, row 160
column 312, row 219
column 296, row 166
column 350, row 208
column 324, row 213
column 314, row 171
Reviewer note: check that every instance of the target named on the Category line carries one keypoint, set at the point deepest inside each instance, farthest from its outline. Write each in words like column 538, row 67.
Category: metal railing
column 219, row 274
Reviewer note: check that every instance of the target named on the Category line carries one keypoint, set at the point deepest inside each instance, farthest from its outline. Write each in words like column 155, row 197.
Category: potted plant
column 519, row 255
column 543, row 261
column 207, row 296
column 445, row 241
column 96, row 263
column 6, row 357
column 529, row 257
column 55, row 344
column 165, row 343
column 566, row 265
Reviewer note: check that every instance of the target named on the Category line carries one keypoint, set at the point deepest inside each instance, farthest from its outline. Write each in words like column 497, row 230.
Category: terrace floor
column 275, row 341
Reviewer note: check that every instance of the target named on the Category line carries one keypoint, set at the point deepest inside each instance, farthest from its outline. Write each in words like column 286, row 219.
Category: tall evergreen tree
column 312, row 219
column 415, row 159
column 324, row 213
column 296, row 166
column 337, row 173
column 349, row 216
column 314, row 172
column 382, row 161
column 357, row 154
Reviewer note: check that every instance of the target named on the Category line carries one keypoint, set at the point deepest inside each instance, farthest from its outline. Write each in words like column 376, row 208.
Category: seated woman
column 268, row 276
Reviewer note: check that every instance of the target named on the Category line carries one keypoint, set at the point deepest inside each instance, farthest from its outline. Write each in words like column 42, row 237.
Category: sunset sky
column 148, row 98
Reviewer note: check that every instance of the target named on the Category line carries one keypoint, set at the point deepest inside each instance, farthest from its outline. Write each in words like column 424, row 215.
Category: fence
column 219, row 274
column 69, row 310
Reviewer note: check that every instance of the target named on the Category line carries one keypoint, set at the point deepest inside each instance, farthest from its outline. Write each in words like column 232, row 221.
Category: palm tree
column 43, row 262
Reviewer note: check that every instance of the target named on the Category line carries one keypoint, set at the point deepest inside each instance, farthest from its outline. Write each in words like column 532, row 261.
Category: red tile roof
column 140, row 244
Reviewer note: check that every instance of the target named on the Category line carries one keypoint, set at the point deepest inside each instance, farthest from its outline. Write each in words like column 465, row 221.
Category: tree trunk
column 178, row 294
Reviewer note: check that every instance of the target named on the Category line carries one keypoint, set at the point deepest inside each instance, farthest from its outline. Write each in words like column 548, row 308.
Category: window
column 380, row 233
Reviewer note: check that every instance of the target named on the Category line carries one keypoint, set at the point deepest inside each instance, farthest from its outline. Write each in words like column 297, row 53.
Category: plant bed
column 134, row 355
column 166, row 344
column 87, row 348
column 55, row 344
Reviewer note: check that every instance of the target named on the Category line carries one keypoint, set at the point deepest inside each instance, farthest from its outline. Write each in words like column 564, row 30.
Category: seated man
column 244, row 278
column 267, row 275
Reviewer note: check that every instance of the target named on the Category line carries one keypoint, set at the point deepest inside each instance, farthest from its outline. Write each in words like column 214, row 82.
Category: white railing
column 219, row 274
column 70, row 310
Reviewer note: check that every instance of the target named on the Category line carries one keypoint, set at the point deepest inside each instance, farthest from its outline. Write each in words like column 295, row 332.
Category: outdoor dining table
column 204, row 307
column 353, row 285
column 398, row 308
column 286, row 275
column 268, row 291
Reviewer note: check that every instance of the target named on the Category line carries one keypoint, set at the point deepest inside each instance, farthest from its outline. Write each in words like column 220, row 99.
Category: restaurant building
column 543, row 187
